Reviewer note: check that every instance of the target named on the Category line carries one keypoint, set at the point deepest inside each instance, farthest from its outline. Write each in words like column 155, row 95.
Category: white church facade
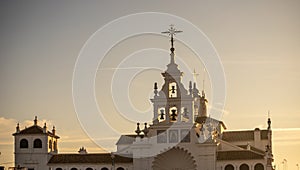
column 181, row 136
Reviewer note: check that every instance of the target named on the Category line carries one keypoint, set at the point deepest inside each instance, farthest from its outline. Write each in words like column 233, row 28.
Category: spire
column 35, row 121
column 172, row 31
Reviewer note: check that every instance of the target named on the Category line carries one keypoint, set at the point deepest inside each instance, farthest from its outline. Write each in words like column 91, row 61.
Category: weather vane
column 171, row 31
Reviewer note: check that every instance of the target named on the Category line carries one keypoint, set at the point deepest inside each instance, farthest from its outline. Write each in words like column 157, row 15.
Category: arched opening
column 58, row 169
column 244, row 167
column 104, row 168
column 174, row 158
column 162, row 114
column 89, row 169
column 172, row 90
column 74, row 169
column 50, row 144
column 120, row 168
column 55, row 145
column 229, row 167
column 37, row 143
column 185, row 114
column 259, row 166
column 173, row 112
column 24, row 143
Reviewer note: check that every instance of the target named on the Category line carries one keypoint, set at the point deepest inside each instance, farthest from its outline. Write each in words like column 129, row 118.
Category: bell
column 173, row 114
column 162, row 114
column 173, row 89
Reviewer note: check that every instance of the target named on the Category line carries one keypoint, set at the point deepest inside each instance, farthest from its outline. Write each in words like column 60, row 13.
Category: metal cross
column 171, row 31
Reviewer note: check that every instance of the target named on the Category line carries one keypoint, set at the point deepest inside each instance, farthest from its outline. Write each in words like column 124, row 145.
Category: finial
column 35, row 120
column 45, row 128
column 146, row 130
column 18, row 128
column 53, row 130
column 190, row 88
column 171, row 31
column 155, row 89
column 45, row 125
column 269, row 120
column 138, row 131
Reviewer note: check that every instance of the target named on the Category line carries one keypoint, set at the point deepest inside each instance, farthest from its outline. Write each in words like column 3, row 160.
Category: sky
column 257, row 42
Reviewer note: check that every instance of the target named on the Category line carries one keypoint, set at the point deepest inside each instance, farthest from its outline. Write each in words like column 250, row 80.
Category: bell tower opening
column 172, row 90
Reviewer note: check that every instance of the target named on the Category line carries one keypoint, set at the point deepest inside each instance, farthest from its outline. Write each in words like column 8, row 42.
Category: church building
column 181, row 136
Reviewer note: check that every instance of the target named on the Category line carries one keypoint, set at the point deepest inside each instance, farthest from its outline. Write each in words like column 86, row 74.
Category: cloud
column 7, row 128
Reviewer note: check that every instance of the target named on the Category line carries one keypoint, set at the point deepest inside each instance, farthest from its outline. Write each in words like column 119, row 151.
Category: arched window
column 55, row 145
column 37, row 143
column 104, row 168
column 50, row 144
column 172, row 90
column 244, row 167
column 229, row 167
column 73, row 168
column 120, row 168
column 24, row 143
column 259, row 166
column 58, row 169
column 89, row 169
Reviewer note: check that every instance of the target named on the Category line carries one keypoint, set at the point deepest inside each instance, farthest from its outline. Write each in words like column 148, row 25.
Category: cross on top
column 171, row 31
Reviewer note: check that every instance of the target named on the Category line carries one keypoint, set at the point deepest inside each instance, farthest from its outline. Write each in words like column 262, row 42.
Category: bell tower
column 173, row 103
column 34, row 146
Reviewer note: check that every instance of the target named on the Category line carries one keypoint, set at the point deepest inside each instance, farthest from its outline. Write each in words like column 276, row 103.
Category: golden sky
column 257, row 41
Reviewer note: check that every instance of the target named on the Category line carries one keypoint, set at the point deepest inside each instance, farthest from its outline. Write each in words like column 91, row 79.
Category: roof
column 88, row 158
column 35, row 130
column 247, row 135
column 238, row 155
column 252, row 148
column 126, row 139
column 203, row 119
